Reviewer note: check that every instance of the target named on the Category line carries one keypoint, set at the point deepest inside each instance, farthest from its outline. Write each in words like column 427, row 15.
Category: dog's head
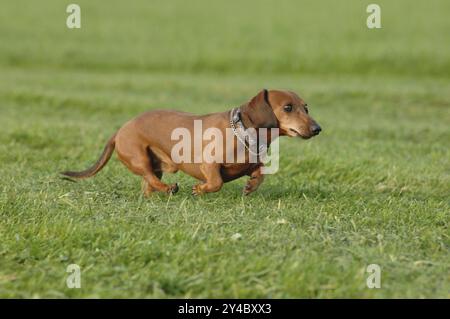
column 282, row 109
column 292, row 114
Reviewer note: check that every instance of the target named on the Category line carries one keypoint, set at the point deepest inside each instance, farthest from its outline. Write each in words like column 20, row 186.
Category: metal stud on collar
column 235, row 118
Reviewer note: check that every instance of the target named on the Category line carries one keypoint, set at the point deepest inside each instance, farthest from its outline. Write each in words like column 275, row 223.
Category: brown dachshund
column 145, row 144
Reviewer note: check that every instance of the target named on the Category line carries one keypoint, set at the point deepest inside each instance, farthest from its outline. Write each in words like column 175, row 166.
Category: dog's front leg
column 256, row 178
column 213, row 179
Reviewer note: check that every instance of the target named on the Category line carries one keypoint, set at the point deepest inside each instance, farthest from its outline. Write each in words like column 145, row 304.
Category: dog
column 144, row 144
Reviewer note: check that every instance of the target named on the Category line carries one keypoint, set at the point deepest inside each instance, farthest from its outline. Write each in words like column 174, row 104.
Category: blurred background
column 258, row 37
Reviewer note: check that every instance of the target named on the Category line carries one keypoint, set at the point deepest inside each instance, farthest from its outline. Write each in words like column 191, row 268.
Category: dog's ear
column 260, row 112
column 260, row 99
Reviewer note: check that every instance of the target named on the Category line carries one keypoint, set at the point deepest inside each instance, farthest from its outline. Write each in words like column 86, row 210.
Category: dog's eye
column 306, row 109
column 288, row 108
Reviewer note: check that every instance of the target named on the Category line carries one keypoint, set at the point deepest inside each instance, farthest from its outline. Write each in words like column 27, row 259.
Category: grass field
column 373, row 188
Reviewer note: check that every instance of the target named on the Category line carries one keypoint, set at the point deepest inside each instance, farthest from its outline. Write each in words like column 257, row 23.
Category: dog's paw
column 247, row 189
column 196, row 190
column 173, row 189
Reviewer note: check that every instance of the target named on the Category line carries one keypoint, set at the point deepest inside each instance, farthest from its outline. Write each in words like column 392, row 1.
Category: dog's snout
column 316, row 129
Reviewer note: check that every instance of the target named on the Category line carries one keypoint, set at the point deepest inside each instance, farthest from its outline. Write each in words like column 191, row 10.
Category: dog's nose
column 316, row 129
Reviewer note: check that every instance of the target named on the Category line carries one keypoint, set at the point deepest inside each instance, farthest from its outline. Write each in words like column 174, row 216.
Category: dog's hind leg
column 147, row 189
column 138, row 160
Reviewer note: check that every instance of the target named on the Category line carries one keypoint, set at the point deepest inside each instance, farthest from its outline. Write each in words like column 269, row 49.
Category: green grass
column 373, row 188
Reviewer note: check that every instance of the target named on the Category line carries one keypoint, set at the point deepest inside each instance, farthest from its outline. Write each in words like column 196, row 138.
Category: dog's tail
column 104, row 158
